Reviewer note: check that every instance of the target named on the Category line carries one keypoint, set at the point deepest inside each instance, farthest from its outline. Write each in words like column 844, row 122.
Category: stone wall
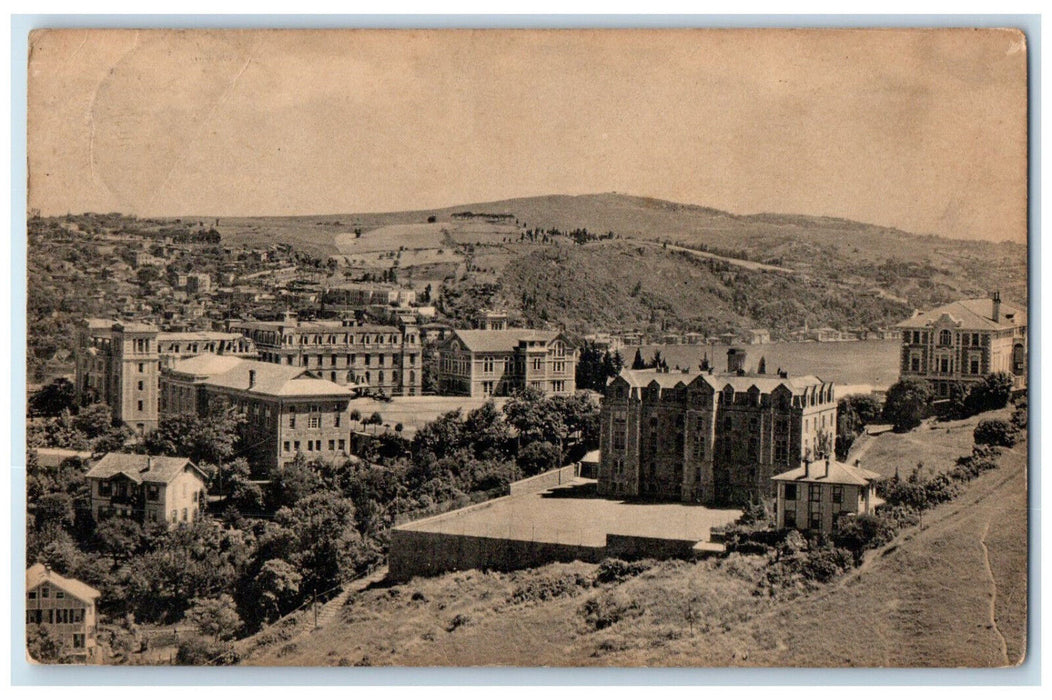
column 545, row 481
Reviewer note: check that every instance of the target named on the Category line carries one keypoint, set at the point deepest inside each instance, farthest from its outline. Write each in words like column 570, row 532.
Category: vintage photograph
column 529, row 348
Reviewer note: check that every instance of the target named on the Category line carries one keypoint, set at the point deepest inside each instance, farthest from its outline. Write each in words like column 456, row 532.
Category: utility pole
column 314, row 606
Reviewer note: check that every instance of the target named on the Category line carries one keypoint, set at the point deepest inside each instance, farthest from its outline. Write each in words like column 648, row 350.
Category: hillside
column 816, row 260
column 950, row 592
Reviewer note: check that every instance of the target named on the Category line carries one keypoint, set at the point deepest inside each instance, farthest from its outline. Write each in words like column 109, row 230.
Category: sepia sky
column 925, row 131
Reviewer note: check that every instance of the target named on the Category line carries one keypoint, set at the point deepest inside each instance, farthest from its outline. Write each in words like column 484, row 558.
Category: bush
column 617, row 570
column 863, row 532
column 994, row 431
column 198, row 651
column 906, row 404
column 991, row 393
column 549, row 588
column 823, row 564
column 608, row 609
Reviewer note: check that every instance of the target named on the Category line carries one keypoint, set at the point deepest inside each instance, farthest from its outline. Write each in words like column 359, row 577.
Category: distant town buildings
column 146, row 489
column 814, row 496
column 66, row 607
column 709, row 437
column 963, row 341
column 288, row 409
column 379, row 358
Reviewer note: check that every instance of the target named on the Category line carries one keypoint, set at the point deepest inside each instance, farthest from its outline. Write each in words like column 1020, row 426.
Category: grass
column 923, row 600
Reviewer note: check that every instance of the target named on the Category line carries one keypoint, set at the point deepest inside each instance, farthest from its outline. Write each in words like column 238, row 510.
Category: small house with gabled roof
column 66, row 607
column 814, row 496
column 147, row 489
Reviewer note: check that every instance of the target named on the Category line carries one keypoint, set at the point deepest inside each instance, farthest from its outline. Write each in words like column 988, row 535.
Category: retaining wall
column 417, row 553
column 545, row 481
column 635, row 547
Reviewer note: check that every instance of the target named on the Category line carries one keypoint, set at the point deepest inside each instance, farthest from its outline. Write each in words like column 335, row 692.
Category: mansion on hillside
column 963, row 341
column 371, row 357
column 146, row 489
column 707, row 437
column 289, row 410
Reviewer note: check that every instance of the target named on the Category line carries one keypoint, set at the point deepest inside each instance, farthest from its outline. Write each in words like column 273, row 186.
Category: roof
column 38, row 574
column 141, row 468
column 501, row 341
column 971, row 314
column 205, row 364
column 830, row 472
column 198, row 335
column 275, row 380
column 591, row 457
column 766, row 383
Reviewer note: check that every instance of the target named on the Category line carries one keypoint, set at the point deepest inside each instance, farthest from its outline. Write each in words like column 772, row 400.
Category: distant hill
column 843, row 273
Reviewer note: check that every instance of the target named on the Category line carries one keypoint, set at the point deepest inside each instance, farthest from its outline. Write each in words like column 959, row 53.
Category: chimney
column 251, row 378
column 997, row 306
column 807, row 467
column 828, row 460
column 149, row 463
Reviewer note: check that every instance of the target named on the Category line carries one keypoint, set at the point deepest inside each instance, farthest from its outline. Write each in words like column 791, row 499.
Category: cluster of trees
column 909, row 401
column 74, row 427
column 595, row 366
column 854, row 413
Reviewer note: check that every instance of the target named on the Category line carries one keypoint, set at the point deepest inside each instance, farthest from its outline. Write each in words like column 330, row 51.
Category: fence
column 545, row 481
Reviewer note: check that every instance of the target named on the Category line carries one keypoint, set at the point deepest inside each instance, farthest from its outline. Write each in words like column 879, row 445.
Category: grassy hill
column 949, row 592
column 822, row 261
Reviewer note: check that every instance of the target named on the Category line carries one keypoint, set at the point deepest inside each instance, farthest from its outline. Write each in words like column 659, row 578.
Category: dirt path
column 993, row 593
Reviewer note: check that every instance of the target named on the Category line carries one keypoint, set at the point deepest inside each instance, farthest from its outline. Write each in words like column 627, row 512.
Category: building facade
column 119, row 363
column 288, row 410
column 709, row 437
column 814, row 496
column 500, row 362
column 147, row 489
column 964, row 341
column 374, row 358
column 67, row 607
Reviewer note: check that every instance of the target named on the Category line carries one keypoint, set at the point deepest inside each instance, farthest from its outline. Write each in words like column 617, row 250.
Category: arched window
column 945, row 338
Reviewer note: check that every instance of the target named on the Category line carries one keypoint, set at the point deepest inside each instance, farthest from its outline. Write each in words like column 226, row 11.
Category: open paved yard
column 572, row 514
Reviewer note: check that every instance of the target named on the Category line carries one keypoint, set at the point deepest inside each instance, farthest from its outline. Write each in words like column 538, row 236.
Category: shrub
column 198, row 651
column 459, row 620
column 994, row 431
column 991, row 393
column 549, row 588
column 608, row 609
column 1019, row 417
column 617, row 570
column 823, row 564
column 863, row 532
column 906, row 404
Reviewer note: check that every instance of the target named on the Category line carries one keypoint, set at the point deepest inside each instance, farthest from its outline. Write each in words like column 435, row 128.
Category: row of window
column 55, row 616
column 314, row 445
column 946, row 337
column 814, row 493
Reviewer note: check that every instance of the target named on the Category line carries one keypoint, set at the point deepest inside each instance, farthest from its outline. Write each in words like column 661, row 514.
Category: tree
column 292, row 483
column 906, row 404
column 991, row 393
column 45, row 646
column 214, row 617
column 326, row 545
column 638, row 362
column 534, row 417
column 762, row 369
column 94, row 421
column 58, row 396
column 203, row 439
column 376, row 419
column 278, row 586
column 538, row 457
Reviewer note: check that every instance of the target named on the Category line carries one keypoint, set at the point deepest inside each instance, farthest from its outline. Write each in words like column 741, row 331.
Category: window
column 975, row 339
column 140, row 385
column 332, row 445
column 790, row 517
column 314, row 421
column 78, row 641
column 343, row 444
column 790, row 492
column 32, row 595
column 296, row 445
column 336, row 420
column 838, row 494
column 174, row 516
column 815, row 520
column 184, row 515
column 142, row 367
column 153, row 492
column 292, row 420
column 945, row 338
column 105, row 488
column 974, row 365
column 139, row 405
column 487, row 364
column 915, row 364
column 815, row 493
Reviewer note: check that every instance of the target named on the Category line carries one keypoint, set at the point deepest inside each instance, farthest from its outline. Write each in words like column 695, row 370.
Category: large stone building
column 288, row 409
column 963, row 341
column 384, row 359
column 497, row 362
column 119, row 363
column 66, row 607
column 709, row 437
column 146, row 489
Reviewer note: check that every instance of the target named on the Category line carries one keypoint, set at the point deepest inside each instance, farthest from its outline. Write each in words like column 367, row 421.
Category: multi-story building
column 66, row 607
column 815, row 495
column 288, row 410
column 372, row 357
column 963, row 341
column 119, row 363
column 499, row 362
column 147, row 489
column 709, row 437
column 360, row 296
